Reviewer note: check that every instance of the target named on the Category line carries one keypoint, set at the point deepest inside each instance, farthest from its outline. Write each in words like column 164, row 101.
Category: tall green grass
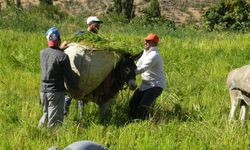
column 190, row 114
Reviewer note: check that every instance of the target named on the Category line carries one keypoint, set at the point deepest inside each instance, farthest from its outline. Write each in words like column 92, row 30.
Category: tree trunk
column 128, row 8
column 125, row 7
column 18, row 4
column 46, row 2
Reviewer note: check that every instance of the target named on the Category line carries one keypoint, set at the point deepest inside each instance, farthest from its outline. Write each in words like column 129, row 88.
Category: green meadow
column 192, row 112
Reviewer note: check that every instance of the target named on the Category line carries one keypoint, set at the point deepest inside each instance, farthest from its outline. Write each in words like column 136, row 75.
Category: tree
column 46, row 2
column 228, row 15
column 125, row 7
column 153, row 9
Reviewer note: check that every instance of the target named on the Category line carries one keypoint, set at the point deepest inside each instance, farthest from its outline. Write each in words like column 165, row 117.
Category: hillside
column 180, row 11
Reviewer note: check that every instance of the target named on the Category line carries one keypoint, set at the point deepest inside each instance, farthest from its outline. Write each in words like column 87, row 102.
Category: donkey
column 101, row 73
column 123, row 73
column 238, row 83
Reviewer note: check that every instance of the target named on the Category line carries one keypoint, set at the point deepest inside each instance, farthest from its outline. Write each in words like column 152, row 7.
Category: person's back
column 52, row 61
column 55, row 67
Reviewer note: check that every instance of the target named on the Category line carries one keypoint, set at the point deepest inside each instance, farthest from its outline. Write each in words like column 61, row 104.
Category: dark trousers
column 140, row 103
column 67, row 103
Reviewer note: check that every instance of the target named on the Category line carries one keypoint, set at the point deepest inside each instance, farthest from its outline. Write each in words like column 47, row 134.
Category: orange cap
column 152, row 37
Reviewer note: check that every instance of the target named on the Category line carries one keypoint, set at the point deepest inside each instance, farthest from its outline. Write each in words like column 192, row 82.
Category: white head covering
column 93, row 19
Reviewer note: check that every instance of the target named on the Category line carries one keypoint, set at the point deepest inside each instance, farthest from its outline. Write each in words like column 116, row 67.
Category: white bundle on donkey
column 90, row 65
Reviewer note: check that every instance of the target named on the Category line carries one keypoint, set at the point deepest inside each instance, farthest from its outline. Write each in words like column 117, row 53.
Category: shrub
column 33, row 19
column 147, row 21
column 115, row 17
column 152, row 16
column 228, row 15
column 153, row 9
column 124, row 7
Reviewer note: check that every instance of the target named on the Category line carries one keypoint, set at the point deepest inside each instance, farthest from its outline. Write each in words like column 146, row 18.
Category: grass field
column 190, row 114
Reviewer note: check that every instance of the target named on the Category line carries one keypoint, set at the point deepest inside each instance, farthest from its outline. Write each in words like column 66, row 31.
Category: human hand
column 64, row 45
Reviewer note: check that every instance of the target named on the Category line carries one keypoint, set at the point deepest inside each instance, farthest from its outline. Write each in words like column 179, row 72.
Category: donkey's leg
column 80, row 105
column 104, row 107
column 234, row 103
column 243, row 112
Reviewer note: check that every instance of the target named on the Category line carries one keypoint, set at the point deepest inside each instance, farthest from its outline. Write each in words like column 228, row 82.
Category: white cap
column 93, row 19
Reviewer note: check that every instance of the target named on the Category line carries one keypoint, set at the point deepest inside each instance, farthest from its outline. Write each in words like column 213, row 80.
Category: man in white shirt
column 150, row 66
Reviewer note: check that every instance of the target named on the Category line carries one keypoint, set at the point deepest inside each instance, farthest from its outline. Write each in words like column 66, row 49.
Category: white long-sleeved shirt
column 150, row 66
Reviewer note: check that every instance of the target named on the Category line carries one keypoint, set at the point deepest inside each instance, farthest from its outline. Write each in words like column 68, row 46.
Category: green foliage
column 88, row 37
column 228, row 15
column 117, row 6
column 152, row 17
column 17, row 50
column 32, row 19
column 153, row 9
column 96, row 41
column 190, row 114
column 117, row 18
column 147, row 21
column 46, row 2
column 124, row 7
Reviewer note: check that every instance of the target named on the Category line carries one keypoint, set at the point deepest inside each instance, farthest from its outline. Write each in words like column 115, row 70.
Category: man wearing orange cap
column 55, row 67
column 150, row 66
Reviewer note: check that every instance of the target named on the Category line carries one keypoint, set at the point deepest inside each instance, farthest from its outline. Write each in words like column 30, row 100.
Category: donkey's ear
column 137, row 56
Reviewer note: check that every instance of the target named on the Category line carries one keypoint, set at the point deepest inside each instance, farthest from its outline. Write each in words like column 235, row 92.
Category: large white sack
column 91, row 65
